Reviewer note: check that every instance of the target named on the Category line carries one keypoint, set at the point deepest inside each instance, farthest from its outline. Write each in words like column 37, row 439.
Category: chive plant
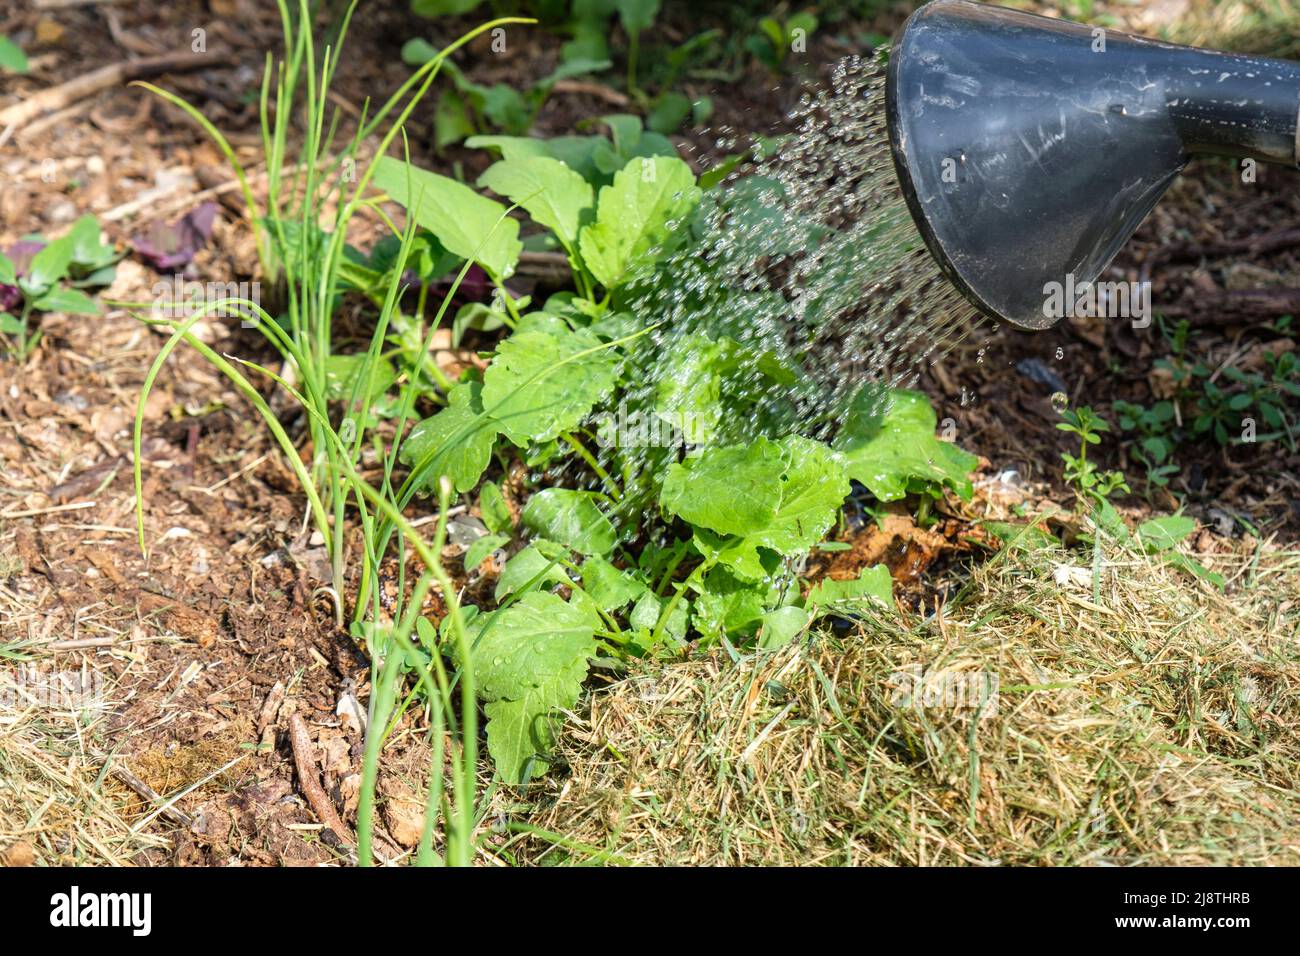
column 310, row 183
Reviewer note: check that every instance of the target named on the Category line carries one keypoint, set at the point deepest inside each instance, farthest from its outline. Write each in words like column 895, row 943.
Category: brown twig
column 174, row 814
column 58, row 97
column 304, row 759
column 1235, row 306
column 600, row 92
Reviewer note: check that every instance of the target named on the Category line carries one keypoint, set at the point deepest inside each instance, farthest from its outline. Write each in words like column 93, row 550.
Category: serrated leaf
column 456, row 442
column 813, row 486
column 889, row 444
column 530, row 660
column 541, row 382
column 467, row 224
column 727, row 604
column 571, row 518
column 552, row 193
column 638, row 217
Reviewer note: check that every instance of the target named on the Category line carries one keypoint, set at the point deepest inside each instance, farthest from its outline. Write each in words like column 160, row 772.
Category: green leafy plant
column 1155, row 430
column 50, row 278
column 777, row 38
column 1092, row 484
column 666, row 545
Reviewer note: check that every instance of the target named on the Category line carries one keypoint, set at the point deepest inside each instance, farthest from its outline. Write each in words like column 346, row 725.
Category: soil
column 221, row 632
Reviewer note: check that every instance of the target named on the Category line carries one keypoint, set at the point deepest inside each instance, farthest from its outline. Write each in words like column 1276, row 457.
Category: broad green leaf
column 637, row 15
column 89, row 250
column 571, row 518
column 511, row 147
column 813, row 487
column 609, row 587
column 7, row 274
column 1164, row 534
column 889, row 443
column 530, row 660
column 543, row 383
column 731, row 490
column 552, row 193
column 12, row 57
column 637, row 217
column 520, row 571
column 456, row 442
column 477, row 552
column 669, row 113
column 467, row 224
column 64, row 299
column 47, row 267
column 873, row 584
column 688, row 391
column 493, row 509
column 782, row 626
column 451, row 120
column 727, row 604
column 648, row 609
column 346, row 373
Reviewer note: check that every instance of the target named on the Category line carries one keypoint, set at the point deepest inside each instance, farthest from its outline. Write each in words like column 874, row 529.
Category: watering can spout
column 1029, row 149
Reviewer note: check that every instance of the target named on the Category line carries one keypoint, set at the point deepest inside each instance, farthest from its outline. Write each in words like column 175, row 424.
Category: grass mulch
column 1158, row 726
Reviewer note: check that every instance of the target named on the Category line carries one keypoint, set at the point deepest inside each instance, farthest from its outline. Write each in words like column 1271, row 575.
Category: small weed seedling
column 48, row 277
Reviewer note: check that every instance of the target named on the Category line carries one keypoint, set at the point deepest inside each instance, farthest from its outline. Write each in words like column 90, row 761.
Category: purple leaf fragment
column 20, row 254
column 168, row 246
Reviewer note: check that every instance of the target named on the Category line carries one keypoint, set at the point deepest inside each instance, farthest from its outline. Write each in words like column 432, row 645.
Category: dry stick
column 174, row 814
column 303, row 760
column 57, row 97
column 1235, row 306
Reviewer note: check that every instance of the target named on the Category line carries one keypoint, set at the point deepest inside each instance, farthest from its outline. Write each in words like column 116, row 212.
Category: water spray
column 1029, row 150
